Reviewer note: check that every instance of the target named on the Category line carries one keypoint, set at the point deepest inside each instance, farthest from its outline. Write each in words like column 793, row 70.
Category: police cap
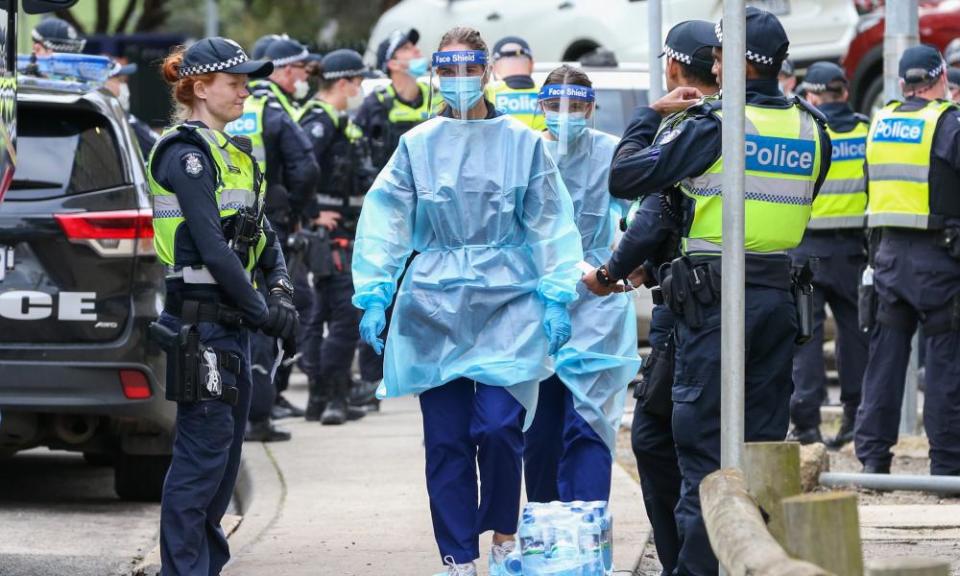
column 285, row 51
column 218, row 54
column 953, row 77
column 691, row 43
column 58, row 35
column 394, row 41
column 767, row 41
column 952, row 52
column 511, row 46
column 259, row 49
column 344, row 63
column 920, row 64
column 821, row 76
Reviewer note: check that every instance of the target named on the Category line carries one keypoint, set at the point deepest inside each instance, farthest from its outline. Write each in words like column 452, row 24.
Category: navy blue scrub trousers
column 204, row 466
column 771, row 328
column 466, row 426
column 564, row 458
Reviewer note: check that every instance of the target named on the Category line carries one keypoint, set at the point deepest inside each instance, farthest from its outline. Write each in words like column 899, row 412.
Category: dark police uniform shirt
column 290, row 163
column 204, row 243
column 373, row 118
column 639, row 169
column 329, row 143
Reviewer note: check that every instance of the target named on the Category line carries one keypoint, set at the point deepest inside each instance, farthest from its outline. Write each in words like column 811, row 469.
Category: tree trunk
column 102, row 25
column 125, row 17
column 153, row 16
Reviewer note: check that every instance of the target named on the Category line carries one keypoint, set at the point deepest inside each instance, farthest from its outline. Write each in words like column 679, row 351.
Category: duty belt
column 192, row 311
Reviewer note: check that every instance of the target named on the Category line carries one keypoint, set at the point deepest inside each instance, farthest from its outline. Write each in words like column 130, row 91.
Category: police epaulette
column 705, row 107
column 861, row 117
column 817, row 114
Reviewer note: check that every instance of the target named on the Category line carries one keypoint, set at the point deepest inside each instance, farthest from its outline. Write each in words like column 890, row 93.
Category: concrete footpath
column 351, row 500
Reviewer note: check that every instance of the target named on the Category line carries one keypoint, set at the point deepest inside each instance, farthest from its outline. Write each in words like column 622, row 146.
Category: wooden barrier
column 772, row 470
column 908, row 567
column 738, row 534
column 825, row 529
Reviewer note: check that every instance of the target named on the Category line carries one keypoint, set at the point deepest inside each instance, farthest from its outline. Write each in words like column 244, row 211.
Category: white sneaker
column 498, row 554
column 454, row 569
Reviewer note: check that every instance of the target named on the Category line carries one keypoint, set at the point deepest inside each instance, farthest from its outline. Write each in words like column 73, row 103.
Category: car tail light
column 115, row 233
column 135, row 385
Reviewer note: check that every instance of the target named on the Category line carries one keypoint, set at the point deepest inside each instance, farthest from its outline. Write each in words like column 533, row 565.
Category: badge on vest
column 245, row 125
column 902, row 130
column 849, row 149
column 780, row 155
column 517, row 103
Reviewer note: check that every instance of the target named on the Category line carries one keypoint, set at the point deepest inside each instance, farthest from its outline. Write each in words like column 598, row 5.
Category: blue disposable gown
column 600, row 359
column 483, row 205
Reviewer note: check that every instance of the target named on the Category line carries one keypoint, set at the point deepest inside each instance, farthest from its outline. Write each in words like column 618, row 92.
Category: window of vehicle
column 615, row 108
column 62, row 152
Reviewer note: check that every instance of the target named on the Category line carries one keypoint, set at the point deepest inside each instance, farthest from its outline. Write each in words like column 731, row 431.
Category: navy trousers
column 651, row 438
column 771, row 328
column 203, row 470
column 837, row 259
column 467, row 426
column 332, row 355
column 564, row 458
column 911, row 273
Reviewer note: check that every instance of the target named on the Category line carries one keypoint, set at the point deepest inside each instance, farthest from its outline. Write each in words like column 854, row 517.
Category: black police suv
column 79, row 283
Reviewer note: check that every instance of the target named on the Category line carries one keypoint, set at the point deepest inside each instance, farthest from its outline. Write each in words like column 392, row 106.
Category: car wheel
column 98, row 458
column 140, row 477
column 872, row 97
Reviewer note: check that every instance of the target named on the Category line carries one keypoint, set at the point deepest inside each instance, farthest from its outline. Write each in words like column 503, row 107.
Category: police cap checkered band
column 922, row 75
column 344, row 74
column 288, row 60
column 684, row 58
column 211, row 66
column 921, row 63
column 68, row 45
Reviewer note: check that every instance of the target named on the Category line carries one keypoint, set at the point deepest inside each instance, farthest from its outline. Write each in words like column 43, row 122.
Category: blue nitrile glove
column 371, row 325
column 556, row 322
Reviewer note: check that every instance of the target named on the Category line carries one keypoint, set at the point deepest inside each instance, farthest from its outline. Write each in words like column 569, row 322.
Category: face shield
column 569, row 109
column 460, row 75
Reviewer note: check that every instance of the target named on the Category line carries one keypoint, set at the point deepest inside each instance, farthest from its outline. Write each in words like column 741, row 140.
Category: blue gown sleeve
column 384, row 238
column 551, row 231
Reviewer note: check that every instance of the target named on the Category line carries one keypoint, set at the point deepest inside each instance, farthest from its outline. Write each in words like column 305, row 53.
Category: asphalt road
column 59, row 515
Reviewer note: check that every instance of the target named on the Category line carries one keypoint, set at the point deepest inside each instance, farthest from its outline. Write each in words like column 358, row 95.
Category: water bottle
column 532, row 548
column 513, row 563
column 563, row 555
column 602, row 514
column 591, row 556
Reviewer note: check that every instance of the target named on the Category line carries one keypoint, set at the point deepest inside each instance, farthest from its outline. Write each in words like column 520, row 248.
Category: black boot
column 316, row 402
column 845, row 434
column 283, row 403
column 363, row 393
column 265, row 431
column 335, row 412
column 805, row 436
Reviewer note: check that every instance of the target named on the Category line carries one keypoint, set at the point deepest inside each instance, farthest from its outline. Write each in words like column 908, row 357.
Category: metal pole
column 732, row 283
column 939, row 484
column 654, row 33
column 213, row 19
column 902, row 31
column 911, row 388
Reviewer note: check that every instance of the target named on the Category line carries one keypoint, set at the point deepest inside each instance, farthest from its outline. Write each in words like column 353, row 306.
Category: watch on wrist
column 603, row 276
column 283, row 285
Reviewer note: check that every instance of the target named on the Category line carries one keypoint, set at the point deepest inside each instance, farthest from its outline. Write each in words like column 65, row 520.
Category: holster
column 342, row 254
column 656, row 380
column 950, row 239
column 802, row 288
column 688, row 288
column 867, row 306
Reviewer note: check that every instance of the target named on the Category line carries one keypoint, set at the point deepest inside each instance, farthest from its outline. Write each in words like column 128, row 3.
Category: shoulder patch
column 670, row 135
column 317, row 130
column 192, row 164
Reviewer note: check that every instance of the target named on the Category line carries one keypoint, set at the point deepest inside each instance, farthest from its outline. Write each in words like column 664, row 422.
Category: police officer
column 953, row 84
column 210, row 232
column 787, row 78
column 515, row 92
column 779, row 195
column 346, row 173
column 952, row 53
column 834, row 244
column 53, row 35
column 384, row 116
column 913, row 169
column 291, row 173
column 118, row 86
column 651, row 239
column 392, row 110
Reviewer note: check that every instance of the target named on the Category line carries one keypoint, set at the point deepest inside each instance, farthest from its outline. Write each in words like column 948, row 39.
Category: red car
column 939, row 24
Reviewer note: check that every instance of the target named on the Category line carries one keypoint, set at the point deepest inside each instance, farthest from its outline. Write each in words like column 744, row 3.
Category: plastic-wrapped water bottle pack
column 564, row 539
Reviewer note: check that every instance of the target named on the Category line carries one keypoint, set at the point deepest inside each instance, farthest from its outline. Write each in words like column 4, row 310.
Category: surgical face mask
column 354, row 102
column 575, row 123
column 301, row 88
column 461, row 90
column 124, row 96
column 417, row 67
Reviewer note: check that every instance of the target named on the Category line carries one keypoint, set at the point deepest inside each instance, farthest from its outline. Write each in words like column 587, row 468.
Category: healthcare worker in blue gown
column 483, row 303
column 569, row 447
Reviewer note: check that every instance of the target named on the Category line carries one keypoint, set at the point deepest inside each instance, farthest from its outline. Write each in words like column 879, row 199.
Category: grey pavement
column 59, row 515
column 351, row 500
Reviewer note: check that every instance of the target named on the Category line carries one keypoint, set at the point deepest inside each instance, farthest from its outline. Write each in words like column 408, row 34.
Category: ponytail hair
column 182, row 89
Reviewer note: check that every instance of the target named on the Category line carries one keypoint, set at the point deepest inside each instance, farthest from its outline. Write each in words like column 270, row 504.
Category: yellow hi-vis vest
column 521, row 103
column 400, row 113
column 898, row 165
column 842, row 200
column 783, row 159
column 250, row 124
column 351, row 130
column 237, row 187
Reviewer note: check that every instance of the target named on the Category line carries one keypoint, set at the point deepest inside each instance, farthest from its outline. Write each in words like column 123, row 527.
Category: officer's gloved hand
column 556, row 322
column 282, row 318
column 371, row 326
